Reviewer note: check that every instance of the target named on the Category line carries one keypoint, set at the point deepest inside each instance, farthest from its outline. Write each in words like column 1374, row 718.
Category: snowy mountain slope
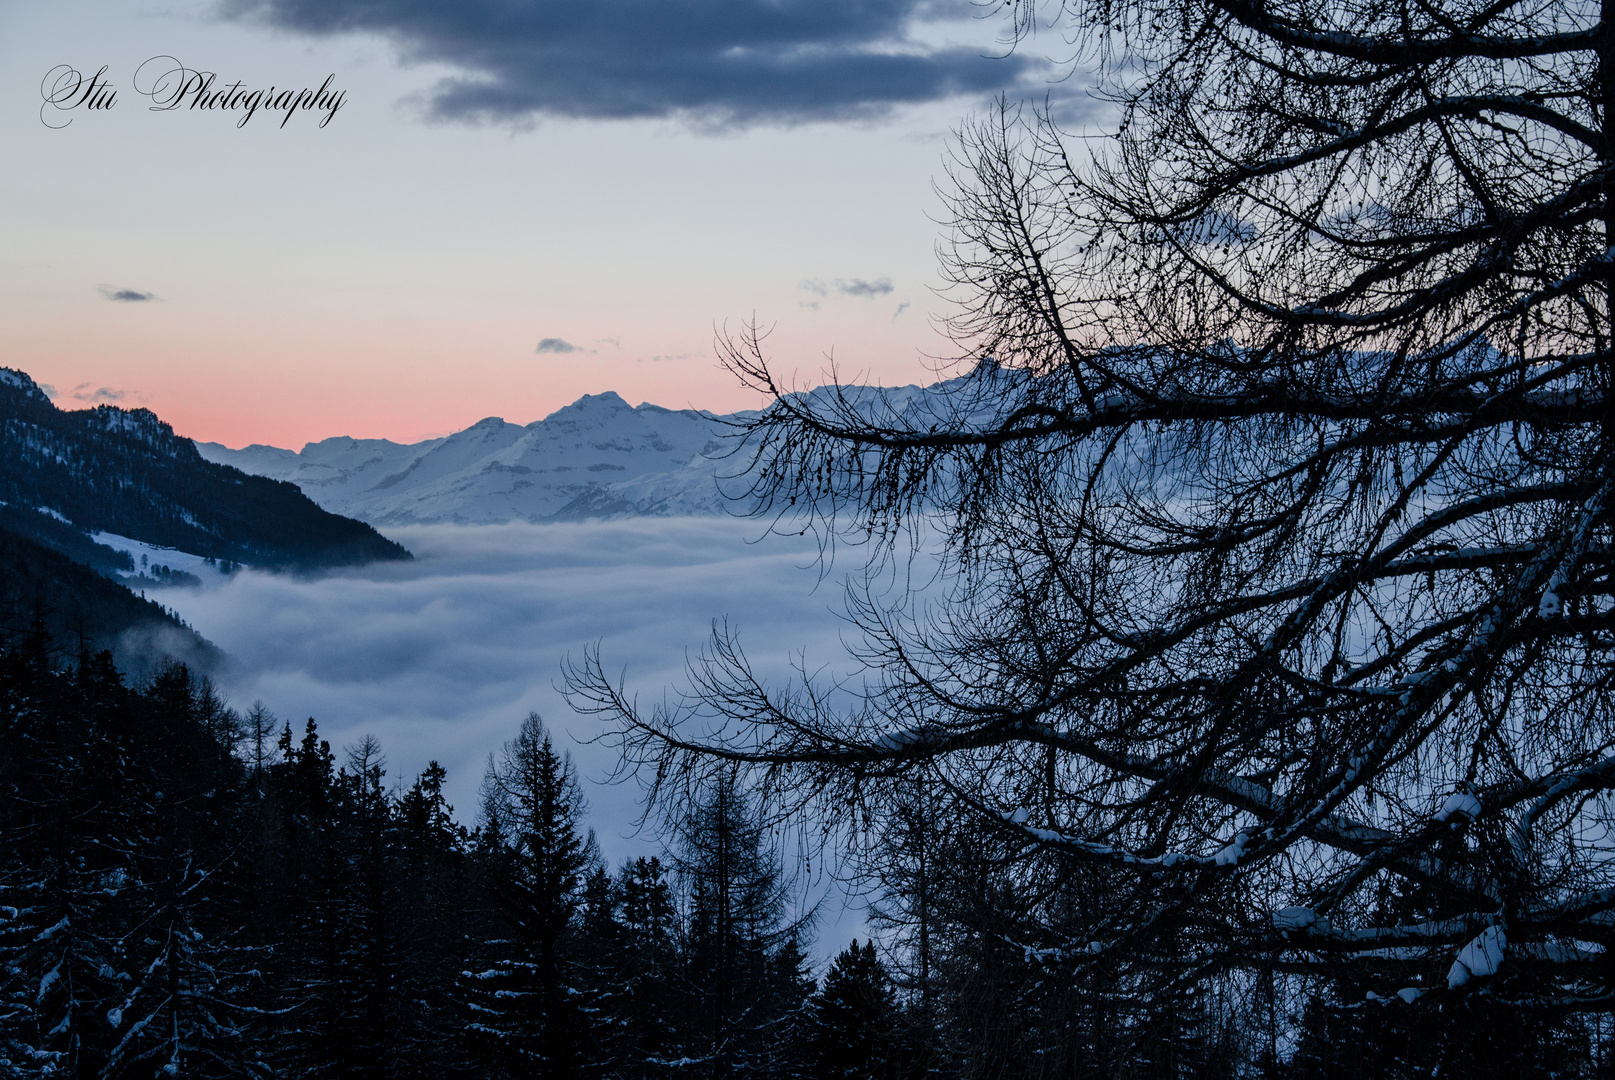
column 598, row 457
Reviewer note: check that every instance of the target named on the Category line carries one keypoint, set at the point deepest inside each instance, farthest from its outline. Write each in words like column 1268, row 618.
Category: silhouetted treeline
column 77, row 603
column 189, row 891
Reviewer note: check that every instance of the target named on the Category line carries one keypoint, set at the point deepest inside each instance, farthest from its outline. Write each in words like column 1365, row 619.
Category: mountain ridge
column 598, row 457
column 81, row 489
column 124, row 471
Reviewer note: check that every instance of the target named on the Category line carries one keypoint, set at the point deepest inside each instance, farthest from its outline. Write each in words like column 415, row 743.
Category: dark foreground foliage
column 189, row 891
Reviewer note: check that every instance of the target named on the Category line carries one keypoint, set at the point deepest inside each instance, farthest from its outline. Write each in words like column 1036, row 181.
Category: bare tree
column 1277, row 530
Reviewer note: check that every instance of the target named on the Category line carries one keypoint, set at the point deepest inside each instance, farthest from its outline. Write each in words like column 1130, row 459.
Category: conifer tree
column 522, row 996
column 429, row 874
column 646, row 960
column 852, row 1027
column 744, row 969
column 65, row 831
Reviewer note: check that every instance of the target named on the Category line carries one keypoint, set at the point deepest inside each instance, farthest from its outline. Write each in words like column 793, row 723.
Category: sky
column 511, row 205
column 495, row 208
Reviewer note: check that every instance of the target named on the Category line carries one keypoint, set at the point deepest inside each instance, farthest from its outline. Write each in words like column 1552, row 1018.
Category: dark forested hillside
column 44, row 589
column 125, row 471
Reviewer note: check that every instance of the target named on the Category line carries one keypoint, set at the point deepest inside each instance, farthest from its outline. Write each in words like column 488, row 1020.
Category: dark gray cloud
column 1215, row 227
column 730, row 62
column 555, row 345
column 125, row 296
column 860, row 287
column 866, row 290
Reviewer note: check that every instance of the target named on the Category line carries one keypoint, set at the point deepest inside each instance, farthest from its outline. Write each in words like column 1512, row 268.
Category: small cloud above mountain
column 855, row 287
column 102, row 395
column 867, row 289
column 555, row 345
column 124, row 296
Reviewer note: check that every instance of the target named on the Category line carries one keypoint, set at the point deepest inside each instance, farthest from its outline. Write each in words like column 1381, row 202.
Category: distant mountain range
column 597, row 457
column 80, row 489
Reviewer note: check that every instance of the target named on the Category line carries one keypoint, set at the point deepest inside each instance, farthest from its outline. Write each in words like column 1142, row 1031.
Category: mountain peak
column 124, row 471
column 19, row 380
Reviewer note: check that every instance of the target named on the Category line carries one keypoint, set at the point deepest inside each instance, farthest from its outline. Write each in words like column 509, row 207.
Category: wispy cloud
column 100, row 395
column 854, row 287
column 555, row 345
column 867, row 289
column 734, row 63
column 124, row 296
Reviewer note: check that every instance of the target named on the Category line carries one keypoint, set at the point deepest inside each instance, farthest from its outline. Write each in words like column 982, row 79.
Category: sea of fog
column 441, row 658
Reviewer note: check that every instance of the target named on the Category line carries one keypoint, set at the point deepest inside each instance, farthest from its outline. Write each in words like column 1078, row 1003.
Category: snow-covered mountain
column 597, row 457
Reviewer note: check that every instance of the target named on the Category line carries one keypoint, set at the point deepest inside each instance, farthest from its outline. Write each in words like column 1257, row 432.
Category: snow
column 18, row 380
column 899, row 740
column 172, row 558
column 1410, row 994
column 1479, row 958
column 1229, row 856
column 1294, row 918
column 51, row 978
column 1461, row 803
column 598, row 457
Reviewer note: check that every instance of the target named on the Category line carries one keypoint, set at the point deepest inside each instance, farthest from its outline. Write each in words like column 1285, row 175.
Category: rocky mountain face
column 75, row 485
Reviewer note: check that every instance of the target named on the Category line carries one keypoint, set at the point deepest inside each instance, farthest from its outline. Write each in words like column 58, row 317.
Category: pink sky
column 384, row 276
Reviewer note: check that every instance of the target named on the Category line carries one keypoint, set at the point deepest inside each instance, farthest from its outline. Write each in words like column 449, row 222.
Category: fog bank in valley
column 441, row 658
